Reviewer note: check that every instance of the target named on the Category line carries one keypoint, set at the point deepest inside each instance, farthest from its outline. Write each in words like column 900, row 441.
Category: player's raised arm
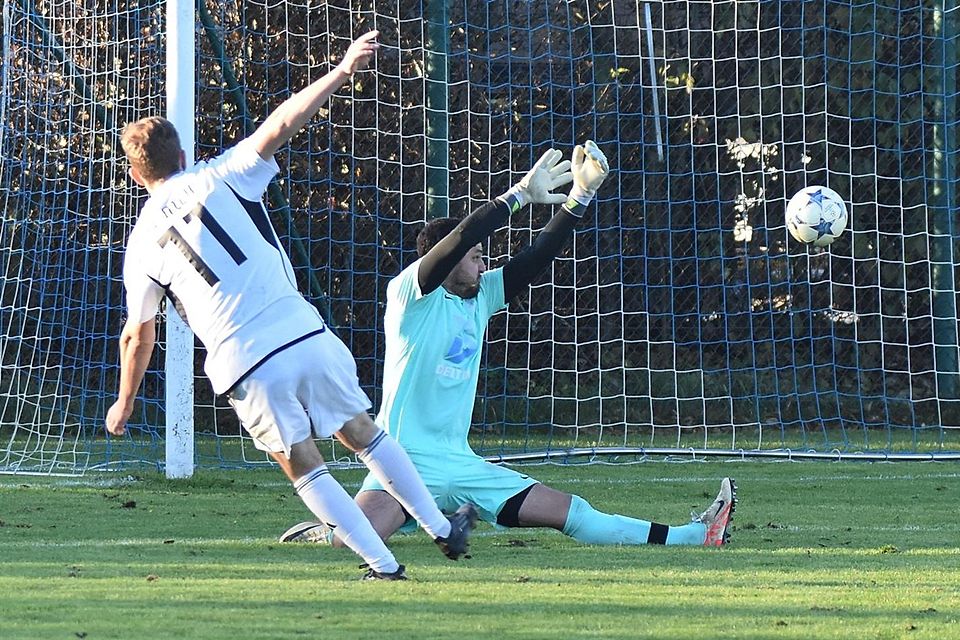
column 536, row 186
column 289, row 117
column 589, row 168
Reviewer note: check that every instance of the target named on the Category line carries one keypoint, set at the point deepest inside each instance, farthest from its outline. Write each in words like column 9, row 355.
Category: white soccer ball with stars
column 816, row 215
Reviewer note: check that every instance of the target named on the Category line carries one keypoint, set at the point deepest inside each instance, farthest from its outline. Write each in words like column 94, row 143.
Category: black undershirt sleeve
column 442, row 258
column 523, row 268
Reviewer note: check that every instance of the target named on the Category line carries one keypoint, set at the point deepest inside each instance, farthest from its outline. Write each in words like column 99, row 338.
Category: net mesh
column 681, row 316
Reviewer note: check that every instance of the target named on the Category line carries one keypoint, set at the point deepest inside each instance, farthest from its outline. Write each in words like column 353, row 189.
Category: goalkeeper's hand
column 590, row 169
column 537, row 186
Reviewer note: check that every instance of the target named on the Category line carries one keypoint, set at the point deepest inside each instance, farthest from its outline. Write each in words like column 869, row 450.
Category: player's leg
column 391, row 466
column 329, row 502
column 327, row 395
column 542, row 506
column 381, row 509
column 269, row 408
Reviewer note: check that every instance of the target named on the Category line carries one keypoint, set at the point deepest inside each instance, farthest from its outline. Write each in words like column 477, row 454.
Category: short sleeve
column 143, row 294
column 405, row 288
column 491, row 294
column 245, row 171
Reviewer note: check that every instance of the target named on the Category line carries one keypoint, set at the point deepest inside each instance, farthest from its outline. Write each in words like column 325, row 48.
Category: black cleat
column 461, row 524
column 372, row 574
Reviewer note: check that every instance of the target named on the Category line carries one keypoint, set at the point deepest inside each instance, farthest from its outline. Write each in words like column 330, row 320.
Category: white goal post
column 181, row 111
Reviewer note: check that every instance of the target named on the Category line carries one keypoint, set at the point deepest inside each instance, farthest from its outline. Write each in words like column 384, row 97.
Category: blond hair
column 152, row 146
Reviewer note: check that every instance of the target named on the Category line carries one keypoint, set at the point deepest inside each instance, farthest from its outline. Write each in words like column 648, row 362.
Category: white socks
column 324, row 496
column 391, row 465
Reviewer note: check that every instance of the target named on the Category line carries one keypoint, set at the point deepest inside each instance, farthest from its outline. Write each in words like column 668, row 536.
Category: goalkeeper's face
column 464, row 280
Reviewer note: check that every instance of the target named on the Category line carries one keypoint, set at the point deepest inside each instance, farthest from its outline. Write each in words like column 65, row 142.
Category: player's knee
column 358, row 432
column 578, row 517
column 304, row 457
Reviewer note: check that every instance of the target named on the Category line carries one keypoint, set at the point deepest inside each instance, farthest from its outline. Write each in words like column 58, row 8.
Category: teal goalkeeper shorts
column 463, row 478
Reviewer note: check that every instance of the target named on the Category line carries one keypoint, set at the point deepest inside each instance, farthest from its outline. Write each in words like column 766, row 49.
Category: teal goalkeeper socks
column 586, row 524
column 693, row 533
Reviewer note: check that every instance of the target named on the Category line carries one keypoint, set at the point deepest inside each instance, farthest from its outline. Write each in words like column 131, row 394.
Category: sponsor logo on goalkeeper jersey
column 462, row 348
column 451, row 372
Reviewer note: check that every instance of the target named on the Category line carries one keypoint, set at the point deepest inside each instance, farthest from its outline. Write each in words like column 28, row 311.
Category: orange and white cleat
column 718, row 515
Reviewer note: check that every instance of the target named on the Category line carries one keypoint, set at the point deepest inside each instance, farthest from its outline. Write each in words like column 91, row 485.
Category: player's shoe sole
column 718, row 516
column 307, row 532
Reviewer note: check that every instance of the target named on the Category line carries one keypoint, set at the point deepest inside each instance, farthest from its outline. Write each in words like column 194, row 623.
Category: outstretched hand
column 359, row 53
column 590, row 168
column 546, row 175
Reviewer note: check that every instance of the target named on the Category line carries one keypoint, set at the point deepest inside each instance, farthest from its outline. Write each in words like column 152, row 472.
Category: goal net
column 682, row 318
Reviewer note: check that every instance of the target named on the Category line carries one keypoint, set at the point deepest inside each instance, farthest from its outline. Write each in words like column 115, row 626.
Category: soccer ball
column 816, row 215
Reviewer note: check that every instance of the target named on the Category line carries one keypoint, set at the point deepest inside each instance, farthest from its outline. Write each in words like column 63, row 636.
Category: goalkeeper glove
column 536, row 187
column 590, row 169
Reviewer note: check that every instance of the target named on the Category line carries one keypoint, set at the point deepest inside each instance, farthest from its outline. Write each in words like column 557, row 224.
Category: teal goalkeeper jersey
column 434, row 344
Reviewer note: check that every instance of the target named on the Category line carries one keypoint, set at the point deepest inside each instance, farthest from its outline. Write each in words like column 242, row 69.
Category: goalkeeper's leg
column 586, row 524
column 542, row 506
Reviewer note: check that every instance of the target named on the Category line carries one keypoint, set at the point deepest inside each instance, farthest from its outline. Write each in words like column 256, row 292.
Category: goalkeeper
column 203, row 239
column 436, row 315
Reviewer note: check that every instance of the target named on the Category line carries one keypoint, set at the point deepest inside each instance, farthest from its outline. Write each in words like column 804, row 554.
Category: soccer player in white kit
column 203, row 239
column 437, row 312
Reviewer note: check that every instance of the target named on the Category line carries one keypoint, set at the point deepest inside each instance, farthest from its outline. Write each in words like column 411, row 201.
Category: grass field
column 820, row 550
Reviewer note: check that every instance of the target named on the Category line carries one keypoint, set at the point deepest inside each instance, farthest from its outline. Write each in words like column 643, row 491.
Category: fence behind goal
column 682, row 316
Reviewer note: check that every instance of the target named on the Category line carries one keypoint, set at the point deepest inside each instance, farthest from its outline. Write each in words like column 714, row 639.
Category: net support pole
column 438, row 146
column 942, row 203
column 178, row 366
column 652, row 62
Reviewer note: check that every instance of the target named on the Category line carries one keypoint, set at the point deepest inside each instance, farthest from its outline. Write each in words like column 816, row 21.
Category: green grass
column 821, row 550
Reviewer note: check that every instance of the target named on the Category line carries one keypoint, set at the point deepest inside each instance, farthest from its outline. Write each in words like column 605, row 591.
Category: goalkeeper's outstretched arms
column 536, row 186
column 589, row 169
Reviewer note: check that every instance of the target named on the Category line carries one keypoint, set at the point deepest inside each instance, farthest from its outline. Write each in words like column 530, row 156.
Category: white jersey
column 204, row 239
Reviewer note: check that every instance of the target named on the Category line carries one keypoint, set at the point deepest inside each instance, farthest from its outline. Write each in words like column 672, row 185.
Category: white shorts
column 308, row 389
column 463, row 477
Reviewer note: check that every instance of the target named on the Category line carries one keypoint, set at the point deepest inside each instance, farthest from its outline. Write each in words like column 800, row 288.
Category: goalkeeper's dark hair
column 433, row 232
column 152, row 146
